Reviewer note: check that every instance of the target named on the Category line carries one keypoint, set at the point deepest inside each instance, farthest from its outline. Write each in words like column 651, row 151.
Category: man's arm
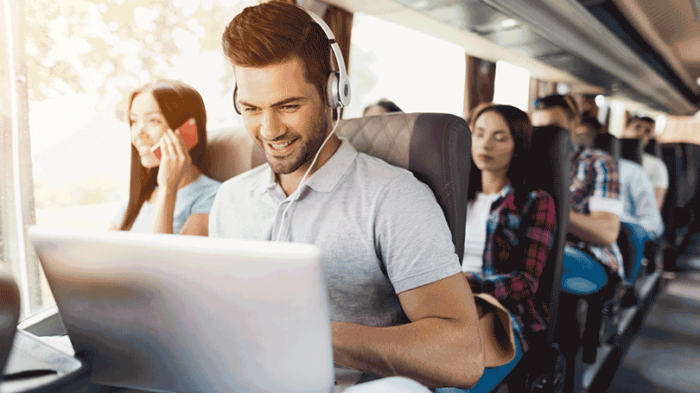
column 660, row 194
column 599, row 227
column 440, row 347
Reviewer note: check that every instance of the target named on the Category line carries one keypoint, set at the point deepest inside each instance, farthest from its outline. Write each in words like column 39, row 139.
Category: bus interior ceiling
column 642, row 54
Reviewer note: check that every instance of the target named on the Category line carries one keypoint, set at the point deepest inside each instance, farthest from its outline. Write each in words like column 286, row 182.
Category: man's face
column 283, row 113
column 551, row 117
column 639, row 129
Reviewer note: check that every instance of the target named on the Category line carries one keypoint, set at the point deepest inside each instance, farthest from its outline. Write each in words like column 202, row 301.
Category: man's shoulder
column 592, row 157
column 653, row 160
column 246, row 179
column 379, row 173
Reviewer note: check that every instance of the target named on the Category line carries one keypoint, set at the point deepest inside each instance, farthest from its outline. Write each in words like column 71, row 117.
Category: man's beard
column 304, row 151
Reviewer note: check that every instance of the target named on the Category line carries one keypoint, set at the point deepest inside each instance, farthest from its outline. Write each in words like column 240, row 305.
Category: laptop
column 191, row 314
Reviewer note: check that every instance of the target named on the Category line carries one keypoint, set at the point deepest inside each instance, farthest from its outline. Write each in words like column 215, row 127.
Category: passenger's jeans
column 492, row 376
column 634, row 250
column 581, row 274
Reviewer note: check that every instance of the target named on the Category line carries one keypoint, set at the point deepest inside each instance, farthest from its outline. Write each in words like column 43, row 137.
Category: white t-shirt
column 656, row 169
column 478, row 212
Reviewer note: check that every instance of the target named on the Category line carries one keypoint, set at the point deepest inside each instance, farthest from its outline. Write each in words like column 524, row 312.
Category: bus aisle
column 665, row 354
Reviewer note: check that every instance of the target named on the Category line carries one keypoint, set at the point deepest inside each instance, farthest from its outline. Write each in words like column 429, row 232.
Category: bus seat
column 435, row 147
column 631, row 149
column 230, row 152
column 609, row 144
column 543, row 366
column 653, row 147
column 9, row 314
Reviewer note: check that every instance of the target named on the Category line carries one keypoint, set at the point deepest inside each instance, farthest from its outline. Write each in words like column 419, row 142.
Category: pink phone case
column 189, row 135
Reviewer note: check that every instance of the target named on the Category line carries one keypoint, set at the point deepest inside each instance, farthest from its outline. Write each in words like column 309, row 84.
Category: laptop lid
column 191, row 314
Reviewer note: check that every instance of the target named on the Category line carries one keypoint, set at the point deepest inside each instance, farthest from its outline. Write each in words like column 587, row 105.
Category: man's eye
column 290, row 108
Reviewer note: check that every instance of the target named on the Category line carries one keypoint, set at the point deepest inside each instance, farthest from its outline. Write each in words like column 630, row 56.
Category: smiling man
column 399, row 303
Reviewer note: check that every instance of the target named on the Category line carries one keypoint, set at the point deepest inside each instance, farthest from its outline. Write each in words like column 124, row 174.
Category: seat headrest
column 435, row 147
column 230, row 152
column 550, row 171
column 631, row 149
column 609, row 144
column 653, row 147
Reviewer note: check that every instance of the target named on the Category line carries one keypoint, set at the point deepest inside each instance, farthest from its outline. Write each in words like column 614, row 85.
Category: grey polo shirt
column 381, row 231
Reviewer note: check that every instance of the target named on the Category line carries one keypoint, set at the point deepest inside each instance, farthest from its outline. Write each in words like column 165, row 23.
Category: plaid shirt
column 517, row 244
column 595, row 186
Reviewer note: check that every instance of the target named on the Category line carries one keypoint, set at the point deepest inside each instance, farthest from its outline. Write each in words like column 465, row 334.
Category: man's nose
column 270, row 125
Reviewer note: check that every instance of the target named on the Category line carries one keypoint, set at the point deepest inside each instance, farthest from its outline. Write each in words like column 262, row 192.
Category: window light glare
column 511, row 23
column 420, row 4
column 660, row 125
column 698, row 81
column 600, row 100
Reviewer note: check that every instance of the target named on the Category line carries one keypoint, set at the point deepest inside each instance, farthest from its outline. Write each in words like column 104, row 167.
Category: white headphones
column 338, row 86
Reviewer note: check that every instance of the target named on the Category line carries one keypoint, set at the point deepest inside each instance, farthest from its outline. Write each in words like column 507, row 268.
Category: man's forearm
column 594, row 229
column 436, row 352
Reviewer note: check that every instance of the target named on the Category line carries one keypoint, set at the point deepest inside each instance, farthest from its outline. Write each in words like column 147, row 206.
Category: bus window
column 83, row 60
column 512, row 85
column 420, row 73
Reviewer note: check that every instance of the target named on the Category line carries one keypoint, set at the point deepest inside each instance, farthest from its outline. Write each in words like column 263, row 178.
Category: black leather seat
column 631, row 149
column 435, row 147
column 609, row 144
column 653, row 147
column 9, row 310
column 550, row 171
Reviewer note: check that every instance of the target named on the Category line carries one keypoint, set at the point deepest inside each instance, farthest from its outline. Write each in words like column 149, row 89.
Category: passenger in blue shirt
column 170, row 194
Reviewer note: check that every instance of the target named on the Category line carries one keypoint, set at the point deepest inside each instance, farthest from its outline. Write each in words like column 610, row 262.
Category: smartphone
column 189, row 135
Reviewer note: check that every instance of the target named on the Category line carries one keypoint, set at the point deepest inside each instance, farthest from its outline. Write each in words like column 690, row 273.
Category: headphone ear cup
column 332, row 90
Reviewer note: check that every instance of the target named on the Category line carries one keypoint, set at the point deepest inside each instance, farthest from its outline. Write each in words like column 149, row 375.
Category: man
column 640, row 217
column 643, row 128
column 399, row 302
column 594, row 220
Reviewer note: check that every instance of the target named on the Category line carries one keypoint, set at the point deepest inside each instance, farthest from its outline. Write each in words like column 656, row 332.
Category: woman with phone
column 168, row 193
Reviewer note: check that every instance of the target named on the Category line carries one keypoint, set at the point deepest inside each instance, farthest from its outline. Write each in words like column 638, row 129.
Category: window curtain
column 479, row 84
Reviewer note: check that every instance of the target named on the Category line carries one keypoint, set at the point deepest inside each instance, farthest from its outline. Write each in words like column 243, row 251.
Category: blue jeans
column 492, row 376
column 581, row 274
column 633, row 250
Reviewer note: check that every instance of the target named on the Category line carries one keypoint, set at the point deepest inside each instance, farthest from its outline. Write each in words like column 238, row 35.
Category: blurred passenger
column 510, row 228
column 382, row 106
column 399, row 302
column 643, row 128
column 591, row 254
column 170, row 194
column 640, row 216
column 586, row 130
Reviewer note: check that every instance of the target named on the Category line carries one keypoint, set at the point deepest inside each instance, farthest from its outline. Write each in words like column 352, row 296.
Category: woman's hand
column 175, row 157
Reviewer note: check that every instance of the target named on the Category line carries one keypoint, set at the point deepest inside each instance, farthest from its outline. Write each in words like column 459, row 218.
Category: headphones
column 338, row 86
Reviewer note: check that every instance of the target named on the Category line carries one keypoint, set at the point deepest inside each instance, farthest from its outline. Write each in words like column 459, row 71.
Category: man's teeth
column 280, row 146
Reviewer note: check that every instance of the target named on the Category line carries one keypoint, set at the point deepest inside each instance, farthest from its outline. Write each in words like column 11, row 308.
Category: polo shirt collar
column 325, row 178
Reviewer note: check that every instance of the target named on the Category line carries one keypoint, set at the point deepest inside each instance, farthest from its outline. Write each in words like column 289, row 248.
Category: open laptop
column 191, row 314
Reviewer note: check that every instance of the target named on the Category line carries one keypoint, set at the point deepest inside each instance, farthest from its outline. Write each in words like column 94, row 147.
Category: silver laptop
column 191, row 314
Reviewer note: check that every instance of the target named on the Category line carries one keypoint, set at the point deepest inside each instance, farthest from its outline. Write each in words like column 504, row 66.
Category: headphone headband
column 338, row 86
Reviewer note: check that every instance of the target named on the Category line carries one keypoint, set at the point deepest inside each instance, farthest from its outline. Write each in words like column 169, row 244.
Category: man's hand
column 601, row 228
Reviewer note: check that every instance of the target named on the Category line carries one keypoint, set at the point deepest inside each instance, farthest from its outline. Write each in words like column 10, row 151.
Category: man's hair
column 645, row 119
column 275, row 32
column 558, row 101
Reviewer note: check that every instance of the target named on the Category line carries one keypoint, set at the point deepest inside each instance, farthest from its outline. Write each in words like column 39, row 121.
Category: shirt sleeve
column 646, row 211
column 606, row 186
column 204, row 203
column 662, row 175
column 537, row 230
column 411, row 235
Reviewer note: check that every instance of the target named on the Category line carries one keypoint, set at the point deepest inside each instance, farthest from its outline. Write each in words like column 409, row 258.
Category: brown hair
column 178, row 102
column 521, row 131
column 273, row 32
column 564, row 102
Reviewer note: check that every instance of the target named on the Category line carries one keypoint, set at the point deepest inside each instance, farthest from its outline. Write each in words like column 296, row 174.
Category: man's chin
column 281, row 167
